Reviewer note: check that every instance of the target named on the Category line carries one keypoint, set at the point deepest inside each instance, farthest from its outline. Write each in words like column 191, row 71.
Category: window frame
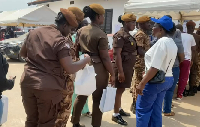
column 104, row 26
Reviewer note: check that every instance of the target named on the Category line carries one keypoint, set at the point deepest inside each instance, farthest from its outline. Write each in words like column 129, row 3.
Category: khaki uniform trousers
column 41, row 106
column 137, row 79
column 101, row 83
column 65, row 105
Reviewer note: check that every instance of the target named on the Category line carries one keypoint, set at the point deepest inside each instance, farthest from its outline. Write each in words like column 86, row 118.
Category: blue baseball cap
column 165, row 22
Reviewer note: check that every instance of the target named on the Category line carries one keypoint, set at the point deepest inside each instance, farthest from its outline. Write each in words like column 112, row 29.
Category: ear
column 64, row 25
column 161, row 29
column 98, row 16
column 125, row 23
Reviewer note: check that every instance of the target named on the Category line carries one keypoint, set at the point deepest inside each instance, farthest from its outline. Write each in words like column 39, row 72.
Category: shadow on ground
column 187, row 113
column 106, row 122
column 14, row 61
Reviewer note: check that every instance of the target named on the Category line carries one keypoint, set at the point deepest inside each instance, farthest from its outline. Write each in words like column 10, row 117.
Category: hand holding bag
column 159, row 77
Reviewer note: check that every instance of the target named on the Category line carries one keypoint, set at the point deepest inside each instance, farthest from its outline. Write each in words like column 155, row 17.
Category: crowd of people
column 153, row 68
column 7, row 33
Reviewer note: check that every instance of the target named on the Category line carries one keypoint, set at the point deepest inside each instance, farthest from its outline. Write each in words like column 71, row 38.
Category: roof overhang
column 41, row 1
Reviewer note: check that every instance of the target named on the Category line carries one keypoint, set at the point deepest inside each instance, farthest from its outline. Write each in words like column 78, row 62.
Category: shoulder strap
column 168, row 65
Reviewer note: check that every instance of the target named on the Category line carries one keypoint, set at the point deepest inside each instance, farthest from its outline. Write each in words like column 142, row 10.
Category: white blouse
column 160, row 55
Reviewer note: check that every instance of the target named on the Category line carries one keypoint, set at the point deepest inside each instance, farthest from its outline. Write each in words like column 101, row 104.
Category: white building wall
column 116, row 5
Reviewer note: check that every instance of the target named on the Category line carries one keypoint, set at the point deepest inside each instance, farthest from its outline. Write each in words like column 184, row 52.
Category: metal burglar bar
column 107, row 26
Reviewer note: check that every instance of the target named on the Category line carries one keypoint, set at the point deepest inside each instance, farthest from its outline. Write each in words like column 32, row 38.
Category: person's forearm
column 193, row 55
column 180, row 60
column 75, row 66
column 6, row 84
column 149, row 75
column 119, row 63
column 181, row 57
column 193, row 48
column 141, row 52
column 108, row 65
column 9, row 84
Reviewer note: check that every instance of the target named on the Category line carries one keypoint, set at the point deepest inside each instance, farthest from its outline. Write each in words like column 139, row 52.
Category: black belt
column 91, row 54
column 127, row 53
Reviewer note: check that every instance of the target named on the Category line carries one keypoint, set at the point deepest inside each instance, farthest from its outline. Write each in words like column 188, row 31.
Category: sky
column 10, row 5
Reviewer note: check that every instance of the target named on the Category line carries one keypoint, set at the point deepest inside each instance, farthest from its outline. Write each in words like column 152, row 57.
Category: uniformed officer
column 47, row 53
column 198, row 31
column 143, row 44
column 194, row 71
column 66, row 103
column 93, row 41
column 125, row 52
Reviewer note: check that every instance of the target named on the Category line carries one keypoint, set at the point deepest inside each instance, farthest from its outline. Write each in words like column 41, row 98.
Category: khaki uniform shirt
column 124, row 40
column 142, row 40
column 91, row 39
column 197, row 40
column 45, row 47
column 70, row 77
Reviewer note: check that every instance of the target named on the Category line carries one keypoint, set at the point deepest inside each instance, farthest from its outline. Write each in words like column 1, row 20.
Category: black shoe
column 195, row 89
column 191, row 93
column 198, row 88
column 78, row 125
column 133, row 108
column 185, row 93
column 118, row 119
column 122, row 113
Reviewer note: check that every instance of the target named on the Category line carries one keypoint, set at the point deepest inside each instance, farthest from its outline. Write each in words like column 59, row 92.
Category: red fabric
column 110, row 52
column 183, row 77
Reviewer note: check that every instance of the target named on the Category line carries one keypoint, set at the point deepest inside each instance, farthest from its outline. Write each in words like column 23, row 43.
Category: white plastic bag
column 85, row 81
column 108, row 99
column 3, row 109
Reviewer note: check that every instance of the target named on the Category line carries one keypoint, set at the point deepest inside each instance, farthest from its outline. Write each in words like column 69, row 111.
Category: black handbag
column 159, row 77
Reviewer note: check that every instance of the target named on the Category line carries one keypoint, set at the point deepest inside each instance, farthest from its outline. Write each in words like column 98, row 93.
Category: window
column 71, row 2
column 107, row 26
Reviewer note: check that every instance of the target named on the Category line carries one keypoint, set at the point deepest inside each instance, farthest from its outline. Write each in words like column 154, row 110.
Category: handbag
column 159, row 77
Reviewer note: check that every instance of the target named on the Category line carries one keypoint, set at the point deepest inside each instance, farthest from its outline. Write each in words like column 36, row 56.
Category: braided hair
column 89, row 13
column 120, row 20
column 60, row 19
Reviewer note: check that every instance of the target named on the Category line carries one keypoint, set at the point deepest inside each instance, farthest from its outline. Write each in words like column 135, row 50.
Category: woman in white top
column 161, row 56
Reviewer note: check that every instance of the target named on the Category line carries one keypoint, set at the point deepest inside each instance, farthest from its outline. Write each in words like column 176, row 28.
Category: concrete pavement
column 187, row 111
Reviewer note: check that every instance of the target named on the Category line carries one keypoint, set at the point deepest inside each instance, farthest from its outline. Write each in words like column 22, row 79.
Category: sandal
column 169, row 114
column 88, row 114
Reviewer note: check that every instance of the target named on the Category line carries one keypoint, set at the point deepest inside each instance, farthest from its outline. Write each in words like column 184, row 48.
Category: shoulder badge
column 131, row 40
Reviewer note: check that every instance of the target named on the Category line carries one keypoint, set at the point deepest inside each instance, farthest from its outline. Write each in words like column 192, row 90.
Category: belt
column 128, row 53
column 91, row 54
